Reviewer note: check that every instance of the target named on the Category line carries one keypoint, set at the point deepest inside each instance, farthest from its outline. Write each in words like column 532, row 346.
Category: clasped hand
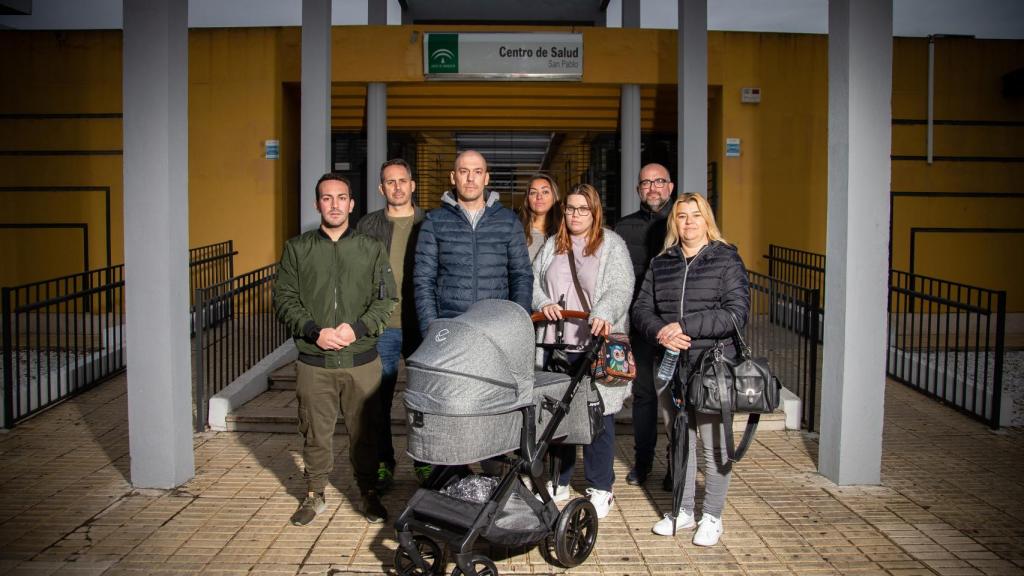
column 336, row 338
column 671, row 336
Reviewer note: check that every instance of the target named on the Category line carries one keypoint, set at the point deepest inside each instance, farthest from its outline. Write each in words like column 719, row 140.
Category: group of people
column 358, row 299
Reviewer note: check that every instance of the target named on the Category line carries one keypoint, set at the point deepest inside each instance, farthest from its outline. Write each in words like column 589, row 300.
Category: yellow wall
column 967, row 89
column 243, row 91
column 237, row 95
column 237, row 91
column 50, row 80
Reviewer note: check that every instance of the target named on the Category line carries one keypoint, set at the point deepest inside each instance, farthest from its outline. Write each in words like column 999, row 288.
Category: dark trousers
column 598, row 459
column 645, row 402
column 320, row 391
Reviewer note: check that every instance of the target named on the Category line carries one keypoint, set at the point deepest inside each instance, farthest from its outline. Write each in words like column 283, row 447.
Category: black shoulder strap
column 576, row 281
column 734, row 454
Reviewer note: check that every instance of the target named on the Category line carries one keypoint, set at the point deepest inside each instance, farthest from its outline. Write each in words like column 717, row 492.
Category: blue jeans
column 389, row 346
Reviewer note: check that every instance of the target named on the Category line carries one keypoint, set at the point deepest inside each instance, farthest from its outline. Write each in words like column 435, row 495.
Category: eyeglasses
column 657, row 183
column 581, row 210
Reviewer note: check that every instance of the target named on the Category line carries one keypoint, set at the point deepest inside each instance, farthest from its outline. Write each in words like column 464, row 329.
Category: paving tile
column 949, row 504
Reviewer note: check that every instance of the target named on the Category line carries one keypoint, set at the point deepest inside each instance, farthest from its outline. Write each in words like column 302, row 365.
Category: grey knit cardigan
column 611, row 299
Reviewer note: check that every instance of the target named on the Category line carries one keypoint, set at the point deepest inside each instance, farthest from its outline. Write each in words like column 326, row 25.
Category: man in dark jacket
column 470, row 249
column 335, row 293
column 397, row 226
column 644, row 233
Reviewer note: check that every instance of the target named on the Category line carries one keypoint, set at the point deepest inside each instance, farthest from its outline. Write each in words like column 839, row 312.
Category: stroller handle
column 538, row 317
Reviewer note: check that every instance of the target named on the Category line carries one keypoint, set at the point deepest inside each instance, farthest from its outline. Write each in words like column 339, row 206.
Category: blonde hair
column 672, row 237
column 563, row 241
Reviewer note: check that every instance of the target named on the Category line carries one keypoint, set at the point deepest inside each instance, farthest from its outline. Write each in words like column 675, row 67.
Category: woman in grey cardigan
column 605, row 277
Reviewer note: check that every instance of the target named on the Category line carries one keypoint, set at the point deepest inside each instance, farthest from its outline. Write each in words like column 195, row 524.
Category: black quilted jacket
column 713, row 286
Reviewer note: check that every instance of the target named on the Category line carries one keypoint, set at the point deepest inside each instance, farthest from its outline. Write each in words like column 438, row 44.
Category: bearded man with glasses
column 644, row 233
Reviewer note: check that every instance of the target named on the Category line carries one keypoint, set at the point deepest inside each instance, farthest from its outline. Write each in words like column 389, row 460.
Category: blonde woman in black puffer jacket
column 692, row 291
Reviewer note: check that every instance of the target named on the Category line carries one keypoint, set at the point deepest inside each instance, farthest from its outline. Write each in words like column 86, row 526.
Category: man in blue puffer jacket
column 471, row 248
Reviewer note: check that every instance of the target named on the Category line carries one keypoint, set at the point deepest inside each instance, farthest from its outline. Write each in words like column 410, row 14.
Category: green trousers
column 320, row 391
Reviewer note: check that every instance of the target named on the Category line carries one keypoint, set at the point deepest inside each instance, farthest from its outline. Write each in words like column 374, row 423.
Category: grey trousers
column 715, row 459
column 320, row 391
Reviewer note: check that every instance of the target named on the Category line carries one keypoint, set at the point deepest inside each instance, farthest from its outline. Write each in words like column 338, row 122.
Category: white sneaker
column 601, row 500
column 683, row 521
column 708, row 531
column 560, row 494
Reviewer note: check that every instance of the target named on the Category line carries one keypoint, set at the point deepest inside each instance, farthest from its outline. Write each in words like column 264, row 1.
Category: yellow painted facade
column 243, row 90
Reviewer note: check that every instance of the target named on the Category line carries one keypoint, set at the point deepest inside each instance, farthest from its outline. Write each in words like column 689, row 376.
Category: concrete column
column 155, row 124
column 692, row 132
column 376, row 118
column 316, row 105
column 376, row 141
column 629, row 134
column 856, row 285
column 629, row 126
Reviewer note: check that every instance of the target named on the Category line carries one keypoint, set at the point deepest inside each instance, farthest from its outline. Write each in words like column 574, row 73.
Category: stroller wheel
column 575, row 533
column 481, row 565
column 431, row 553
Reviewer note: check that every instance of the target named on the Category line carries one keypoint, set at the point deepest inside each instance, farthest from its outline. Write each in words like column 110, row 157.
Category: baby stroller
column 473, row 395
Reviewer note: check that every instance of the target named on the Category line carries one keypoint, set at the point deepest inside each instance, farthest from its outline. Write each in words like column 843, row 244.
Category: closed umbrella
column 679, row 453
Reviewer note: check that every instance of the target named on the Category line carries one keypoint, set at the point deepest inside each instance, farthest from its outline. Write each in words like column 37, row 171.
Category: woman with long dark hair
column 541, row 212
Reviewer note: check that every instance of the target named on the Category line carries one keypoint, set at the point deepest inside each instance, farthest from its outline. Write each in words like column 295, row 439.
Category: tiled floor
column 950, row 503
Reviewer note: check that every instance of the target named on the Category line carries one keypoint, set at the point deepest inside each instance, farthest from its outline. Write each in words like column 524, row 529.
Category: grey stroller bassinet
column 468, row 383
column 472, row 394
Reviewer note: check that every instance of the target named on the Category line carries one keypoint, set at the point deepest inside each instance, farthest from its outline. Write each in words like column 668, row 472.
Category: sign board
column 271, row 149
column 732, row 147
column 502, row 56
column 750, row 95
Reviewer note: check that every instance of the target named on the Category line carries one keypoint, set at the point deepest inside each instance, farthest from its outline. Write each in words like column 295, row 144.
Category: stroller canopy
column 480, row 362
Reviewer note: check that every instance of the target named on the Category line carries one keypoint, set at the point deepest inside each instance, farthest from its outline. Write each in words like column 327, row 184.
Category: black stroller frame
column 433, row 522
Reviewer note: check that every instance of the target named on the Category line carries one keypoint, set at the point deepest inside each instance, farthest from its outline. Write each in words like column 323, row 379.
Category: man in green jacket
column 335, row 292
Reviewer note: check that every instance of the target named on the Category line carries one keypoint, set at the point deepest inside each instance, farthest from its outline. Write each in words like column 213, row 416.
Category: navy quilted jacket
column 457, row 265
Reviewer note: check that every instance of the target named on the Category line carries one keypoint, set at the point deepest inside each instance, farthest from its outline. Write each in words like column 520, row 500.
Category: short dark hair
column 395, row 162
column 328, row 177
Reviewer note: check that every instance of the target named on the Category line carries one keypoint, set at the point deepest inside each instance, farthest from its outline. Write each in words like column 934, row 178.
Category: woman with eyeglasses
column 694, row 291
column 541, row 213
column 602, row 284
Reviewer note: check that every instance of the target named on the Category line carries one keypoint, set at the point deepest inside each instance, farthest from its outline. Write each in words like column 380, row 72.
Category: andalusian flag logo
column 442, row 53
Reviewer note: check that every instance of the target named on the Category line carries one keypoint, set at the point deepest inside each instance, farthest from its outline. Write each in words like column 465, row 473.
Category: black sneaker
column 310, row 507
column 372, row 508
column 638, row 475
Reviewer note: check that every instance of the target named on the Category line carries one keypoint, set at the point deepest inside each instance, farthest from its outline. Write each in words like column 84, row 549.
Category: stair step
column 275, row 411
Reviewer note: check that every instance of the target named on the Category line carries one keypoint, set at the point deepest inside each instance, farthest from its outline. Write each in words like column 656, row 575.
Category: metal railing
column 235, row 329
column 947, row 340
column 64, row 335
column 210, row 264
column 60, row 337
column 783, row 326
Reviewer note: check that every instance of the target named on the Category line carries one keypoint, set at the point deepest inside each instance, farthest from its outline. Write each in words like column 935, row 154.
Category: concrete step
column 276, row 410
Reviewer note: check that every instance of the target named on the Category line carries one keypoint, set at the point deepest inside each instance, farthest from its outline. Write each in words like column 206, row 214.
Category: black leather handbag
column 718, row 384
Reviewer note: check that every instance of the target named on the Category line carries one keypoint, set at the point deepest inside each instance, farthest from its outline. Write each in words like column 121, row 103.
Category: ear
column 451, row 176
column 412, row 186
column 671, row 188
column 487, row 178
column 380, row 188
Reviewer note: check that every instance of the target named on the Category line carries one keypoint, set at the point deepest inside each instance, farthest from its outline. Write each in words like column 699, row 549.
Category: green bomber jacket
column 322, row 283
